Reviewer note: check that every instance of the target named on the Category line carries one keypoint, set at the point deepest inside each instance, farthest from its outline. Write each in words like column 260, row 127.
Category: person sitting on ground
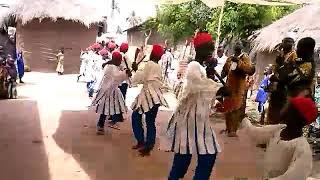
column 288, row 154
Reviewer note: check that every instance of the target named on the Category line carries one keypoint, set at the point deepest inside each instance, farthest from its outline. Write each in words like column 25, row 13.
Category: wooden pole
column 219, row 29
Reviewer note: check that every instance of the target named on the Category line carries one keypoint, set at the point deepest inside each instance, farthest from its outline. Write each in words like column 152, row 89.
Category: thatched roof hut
column 44, row 26
column 303, row 22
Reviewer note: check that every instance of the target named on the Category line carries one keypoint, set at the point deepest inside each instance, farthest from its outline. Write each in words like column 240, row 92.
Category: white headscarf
column 197, row 81
column 291, row 35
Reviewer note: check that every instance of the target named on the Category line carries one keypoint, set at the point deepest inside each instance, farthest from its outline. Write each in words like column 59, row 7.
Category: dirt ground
column 49, row 134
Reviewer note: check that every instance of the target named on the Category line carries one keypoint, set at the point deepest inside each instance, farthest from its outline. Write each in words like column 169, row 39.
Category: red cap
column 116, row 55
column 306, row 107
column 124, row 47
column 202, row 38
column 157, row 51
column 111, row 45
column 103, row 52
column 96, row 46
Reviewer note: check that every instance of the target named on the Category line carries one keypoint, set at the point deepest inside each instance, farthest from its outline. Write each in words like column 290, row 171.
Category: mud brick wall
column 41, row 41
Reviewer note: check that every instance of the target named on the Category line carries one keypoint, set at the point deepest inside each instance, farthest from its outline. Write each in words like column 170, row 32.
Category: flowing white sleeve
column 260, row 135
column 301, row 165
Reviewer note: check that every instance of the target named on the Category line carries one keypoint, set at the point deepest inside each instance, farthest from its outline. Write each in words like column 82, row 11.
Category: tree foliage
column 241, row 20
column 177, row 22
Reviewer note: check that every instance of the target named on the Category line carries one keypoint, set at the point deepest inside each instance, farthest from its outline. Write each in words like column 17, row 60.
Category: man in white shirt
column 222, row 58
column 165, row 63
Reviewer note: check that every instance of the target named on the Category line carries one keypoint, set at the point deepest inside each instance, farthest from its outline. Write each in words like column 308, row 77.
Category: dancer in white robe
column 109, row 100
column 148, row 101
column 124, row 47
column 190, row 131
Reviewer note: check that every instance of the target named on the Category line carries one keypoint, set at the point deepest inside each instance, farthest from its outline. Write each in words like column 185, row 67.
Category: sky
column 142, row 8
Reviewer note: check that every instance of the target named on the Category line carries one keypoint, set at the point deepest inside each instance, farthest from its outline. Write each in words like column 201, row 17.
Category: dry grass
column 86, row 12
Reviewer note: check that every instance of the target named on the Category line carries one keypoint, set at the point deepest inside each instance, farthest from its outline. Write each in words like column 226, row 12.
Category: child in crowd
column 60, row 61
column 12, row 78
column 262, row 95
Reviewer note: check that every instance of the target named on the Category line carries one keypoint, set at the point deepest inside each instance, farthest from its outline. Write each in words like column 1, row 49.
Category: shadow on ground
column 23, row 154
column 109, row 156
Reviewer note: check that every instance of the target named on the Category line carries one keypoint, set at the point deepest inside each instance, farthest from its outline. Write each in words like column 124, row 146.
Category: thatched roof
column 86, row 12
column 303, row 22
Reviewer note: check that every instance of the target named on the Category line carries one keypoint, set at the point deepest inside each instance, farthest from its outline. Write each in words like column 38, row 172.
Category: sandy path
column 49, row 134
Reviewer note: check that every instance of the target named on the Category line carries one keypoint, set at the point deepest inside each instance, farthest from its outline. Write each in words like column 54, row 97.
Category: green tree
column 177, row 22
column 241, row 20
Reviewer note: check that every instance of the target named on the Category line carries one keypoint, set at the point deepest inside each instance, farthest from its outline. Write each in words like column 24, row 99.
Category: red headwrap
column 124, row 47
column 111, row 45
column 201, row 38
column 306, row 108
column 103, row 52
column 116, row 55
column 157, row 51
column 96, row 46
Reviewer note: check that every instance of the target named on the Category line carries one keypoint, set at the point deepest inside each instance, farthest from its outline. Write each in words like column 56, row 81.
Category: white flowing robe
column 98, row 71
column 189, row 130
column 90, row 66
column 284, row 160
column 166, row 67
column 109, row 99
column 84, row 58
column 60, row 58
